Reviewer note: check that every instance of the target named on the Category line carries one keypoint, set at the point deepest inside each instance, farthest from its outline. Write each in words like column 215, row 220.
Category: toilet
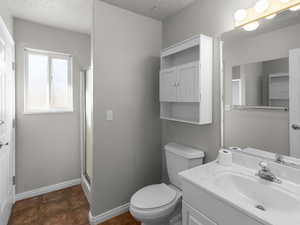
column 160, row 204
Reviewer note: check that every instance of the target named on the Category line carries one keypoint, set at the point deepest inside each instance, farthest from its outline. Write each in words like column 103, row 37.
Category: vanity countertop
column 267, row 202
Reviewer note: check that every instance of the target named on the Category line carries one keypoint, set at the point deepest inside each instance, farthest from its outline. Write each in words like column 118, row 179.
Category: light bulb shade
column 261, row 6
column 251, row 26
column 295, row 8
column 240, row 15
column 271, row 16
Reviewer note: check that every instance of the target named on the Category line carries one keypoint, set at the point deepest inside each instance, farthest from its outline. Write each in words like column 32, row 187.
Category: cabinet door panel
column 190, row 216
column 188, row 83
column 167, row 86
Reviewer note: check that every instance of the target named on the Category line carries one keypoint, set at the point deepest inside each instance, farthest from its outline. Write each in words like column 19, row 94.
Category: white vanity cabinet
column 186, row 81
column 191, row 216
column 200, row 207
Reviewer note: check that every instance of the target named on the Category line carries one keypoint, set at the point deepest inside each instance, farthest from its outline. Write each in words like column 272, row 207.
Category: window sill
column 48, row 112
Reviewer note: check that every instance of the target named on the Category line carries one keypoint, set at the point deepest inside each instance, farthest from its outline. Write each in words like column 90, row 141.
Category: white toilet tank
column 180, row 158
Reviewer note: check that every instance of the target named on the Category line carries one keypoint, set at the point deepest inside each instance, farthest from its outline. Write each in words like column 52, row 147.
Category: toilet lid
column 153, row 196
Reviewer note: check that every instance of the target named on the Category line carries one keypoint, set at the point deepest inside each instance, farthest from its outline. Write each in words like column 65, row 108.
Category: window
column 48, row 82
column 236, row 92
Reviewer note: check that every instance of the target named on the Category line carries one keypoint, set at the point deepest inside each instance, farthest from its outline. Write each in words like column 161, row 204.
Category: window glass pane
column 38, row 80
column 236, row 92
column 60, row 85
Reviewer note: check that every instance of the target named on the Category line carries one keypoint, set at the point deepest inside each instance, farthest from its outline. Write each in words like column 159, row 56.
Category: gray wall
column 6, row 16
column 47, row 145
column 269, row 130
column 251, row 75
column 210, row 17
column 126, row 49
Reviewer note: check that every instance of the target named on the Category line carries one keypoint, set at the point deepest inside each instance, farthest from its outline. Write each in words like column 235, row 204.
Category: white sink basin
column 267, row 202
column 264, row 195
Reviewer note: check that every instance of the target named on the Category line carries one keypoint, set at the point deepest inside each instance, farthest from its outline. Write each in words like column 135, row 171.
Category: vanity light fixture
column 295, row 8
column 240, row 15
column 271, row 16
column 251, row 26
column 261, row 6
column 248, row 18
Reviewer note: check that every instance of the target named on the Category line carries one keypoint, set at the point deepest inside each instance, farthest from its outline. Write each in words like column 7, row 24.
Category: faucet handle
column 264, row 165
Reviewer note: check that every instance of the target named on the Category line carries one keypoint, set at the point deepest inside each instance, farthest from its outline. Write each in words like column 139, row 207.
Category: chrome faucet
column 266, row 174
column 279, row 159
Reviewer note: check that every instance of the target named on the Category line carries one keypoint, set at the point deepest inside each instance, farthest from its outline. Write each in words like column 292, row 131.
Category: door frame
column 10, row 41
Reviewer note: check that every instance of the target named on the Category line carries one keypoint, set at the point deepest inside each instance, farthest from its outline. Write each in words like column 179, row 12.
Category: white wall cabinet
column 168, row 82
column 180, row 84
column 186, row 81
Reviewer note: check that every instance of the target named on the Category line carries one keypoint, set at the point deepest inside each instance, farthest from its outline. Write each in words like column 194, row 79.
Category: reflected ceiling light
column 271, row 16
column 251, row 26
column 284, row 1
column 240, row 15
column 295, row 8
column 261, row 6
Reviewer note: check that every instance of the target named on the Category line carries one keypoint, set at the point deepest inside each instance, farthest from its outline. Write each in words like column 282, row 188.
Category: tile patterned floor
column 64, row 207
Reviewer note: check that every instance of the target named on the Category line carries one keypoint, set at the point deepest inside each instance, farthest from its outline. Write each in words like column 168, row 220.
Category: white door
column 188, row 83
column 7, row 133
column 295, row 103
column 167, row 85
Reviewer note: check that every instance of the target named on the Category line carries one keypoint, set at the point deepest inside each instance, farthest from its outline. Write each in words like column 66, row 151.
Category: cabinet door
column 167, row 85
column 188, row 83
column 190, row 216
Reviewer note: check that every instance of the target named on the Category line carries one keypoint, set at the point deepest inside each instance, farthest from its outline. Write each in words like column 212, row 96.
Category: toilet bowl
column 160, row 204
column 156, row 204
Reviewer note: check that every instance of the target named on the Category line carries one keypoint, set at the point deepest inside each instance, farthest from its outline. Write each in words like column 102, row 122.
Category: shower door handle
column 296, row 127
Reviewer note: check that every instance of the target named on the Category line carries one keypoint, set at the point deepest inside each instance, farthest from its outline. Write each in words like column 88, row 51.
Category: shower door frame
column 86, row 180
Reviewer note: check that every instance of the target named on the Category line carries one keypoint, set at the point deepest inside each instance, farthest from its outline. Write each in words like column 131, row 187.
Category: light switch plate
column 109, row 115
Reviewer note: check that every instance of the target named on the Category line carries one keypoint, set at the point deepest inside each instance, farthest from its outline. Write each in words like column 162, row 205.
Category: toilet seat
column 154, row 202
column 153, row 196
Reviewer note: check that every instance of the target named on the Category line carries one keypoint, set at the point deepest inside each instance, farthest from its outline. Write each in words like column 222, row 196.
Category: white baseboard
column 94, row 220
column 86, row 188
column 47, row 189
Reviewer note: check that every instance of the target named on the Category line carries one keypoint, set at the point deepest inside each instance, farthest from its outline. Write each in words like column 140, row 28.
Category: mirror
column 260, row 89
column 264, row 83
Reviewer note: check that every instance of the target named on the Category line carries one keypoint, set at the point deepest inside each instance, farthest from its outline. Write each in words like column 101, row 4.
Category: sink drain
column 260, row 207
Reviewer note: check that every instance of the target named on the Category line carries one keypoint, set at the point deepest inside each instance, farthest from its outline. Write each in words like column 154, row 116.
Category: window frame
column 239, row 81
column 51, row 55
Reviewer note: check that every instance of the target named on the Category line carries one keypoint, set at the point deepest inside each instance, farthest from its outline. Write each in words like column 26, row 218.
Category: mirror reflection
column 264, row 83
column 261, row 86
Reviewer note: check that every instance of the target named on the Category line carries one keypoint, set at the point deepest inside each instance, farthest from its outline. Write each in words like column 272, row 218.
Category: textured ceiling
column 69, row 14
column 77, row 14
column 157, row 9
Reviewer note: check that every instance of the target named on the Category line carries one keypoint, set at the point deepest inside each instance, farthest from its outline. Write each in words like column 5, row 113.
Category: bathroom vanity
column 235, row 195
